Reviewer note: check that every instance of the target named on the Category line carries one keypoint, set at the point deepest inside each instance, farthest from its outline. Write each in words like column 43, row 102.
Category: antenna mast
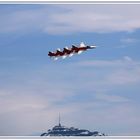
column 59, row 120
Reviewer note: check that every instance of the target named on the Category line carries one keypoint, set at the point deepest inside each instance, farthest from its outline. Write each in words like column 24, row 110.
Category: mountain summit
column 60, row 130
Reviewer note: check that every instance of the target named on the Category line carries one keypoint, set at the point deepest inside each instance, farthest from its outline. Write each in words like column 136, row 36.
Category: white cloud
column 111, row 98
column 127, row 58
column 129, row 40
column 94, row 18
column 109, row 74
column 124, row 77
column 120, row 63
column 67, row 19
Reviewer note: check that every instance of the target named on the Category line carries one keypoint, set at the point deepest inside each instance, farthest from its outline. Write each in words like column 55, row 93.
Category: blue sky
column 97, row 90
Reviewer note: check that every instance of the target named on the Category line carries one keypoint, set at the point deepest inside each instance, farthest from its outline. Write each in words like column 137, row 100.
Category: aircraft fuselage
column 69, row 52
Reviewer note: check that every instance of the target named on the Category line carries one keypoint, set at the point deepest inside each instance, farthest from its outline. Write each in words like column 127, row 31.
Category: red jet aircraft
column 69, row 52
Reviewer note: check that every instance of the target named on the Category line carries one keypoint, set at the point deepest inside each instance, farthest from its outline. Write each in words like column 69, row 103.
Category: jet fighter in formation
column 70, row 51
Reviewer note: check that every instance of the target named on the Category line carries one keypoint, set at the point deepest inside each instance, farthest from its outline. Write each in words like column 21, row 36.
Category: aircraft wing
column 80, row 52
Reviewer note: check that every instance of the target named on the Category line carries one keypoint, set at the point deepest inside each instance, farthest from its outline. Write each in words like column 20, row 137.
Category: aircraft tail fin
column 50, row 53
column 82, row 44
column 74, row 46
column 66, row 48
column 58, row 49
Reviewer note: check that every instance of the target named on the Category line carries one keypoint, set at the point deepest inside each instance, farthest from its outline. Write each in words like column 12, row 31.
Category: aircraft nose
column 92, row 47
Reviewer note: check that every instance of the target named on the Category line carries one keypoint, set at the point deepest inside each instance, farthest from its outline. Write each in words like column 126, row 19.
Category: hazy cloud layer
column 68, row 19
column 33, row 107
